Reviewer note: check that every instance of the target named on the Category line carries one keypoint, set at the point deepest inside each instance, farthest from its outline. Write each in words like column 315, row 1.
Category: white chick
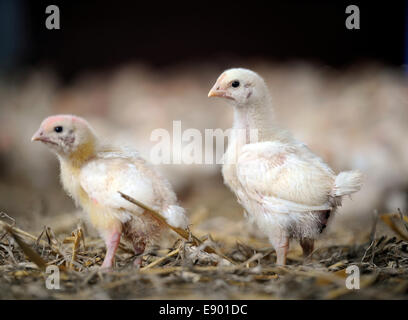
column 285, row 189
column 92, row 174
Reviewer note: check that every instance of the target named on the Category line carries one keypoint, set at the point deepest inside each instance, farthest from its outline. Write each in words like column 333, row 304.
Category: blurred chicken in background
column 352, row 119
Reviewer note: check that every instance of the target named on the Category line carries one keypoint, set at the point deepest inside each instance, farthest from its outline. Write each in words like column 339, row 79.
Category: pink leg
column 280, row 242
column 112, row 242
column 139, row 249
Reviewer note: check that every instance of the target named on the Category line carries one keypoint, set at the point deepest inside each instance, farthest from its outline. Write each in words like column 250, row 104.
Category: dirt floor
column 180, row 270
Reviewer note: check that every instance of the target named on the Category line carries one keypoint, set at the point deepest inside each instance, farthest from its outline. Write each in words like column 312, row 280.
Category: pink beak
column 217, row 91
column 38, row 136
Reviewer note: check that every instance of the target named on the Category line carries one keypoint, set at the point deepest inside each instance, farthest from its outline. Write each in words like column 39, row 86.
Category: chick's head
column 65, row 134
column 242, row 87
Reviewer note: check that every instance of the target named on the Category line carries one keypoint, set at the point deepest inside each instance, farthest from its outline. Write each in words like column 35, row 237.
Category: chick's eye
column 58, row 129
column 235, row 84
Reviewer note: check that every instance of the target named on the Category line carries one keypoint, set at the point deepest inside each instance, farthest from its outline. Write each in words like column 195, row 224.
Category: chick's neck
column 260, row 117
column 81, row 155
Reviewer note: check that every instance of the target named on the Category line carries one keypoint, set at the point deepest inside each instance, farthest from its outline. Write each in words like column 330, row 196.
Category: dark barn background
column 103, row 34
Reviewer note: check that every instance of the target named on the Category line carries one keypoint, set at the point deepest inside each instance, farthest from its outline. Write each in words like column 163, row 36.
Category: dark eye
column 58, row 129
column 235, row 84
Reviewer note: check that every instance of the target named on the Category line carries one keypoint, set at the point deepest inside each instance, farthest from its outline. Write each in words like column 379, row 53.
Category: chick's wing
column 282, row 174
column 103, row 178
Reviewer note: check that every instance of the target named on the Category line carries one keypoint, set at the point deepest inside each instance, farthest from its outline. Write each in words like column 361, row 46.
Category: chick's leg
column 139, row 248
column 280, row 242
column 307, row 246
column 112, row 242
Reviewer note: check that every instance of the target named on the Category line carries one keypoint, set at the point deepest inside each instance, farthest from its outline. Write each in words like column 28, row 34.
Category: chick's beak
column 38, row 136
column 41, row 136
column 213, row 92
column 217, row 91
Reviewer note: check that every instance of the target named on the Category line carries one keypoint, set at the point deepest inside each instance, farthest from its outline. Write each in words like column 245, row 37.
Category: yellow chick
column 285, row 189
column 92, row 174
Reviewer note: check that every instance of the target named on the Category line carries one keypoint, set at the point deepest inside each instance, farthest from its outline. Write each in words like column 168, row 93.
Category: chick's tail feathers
column 176, row 216
column 347, row 182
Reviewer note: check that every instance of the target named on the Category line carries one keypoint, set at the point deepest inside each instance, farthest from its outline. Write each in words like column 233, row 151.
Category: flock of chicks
column 285, row 189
